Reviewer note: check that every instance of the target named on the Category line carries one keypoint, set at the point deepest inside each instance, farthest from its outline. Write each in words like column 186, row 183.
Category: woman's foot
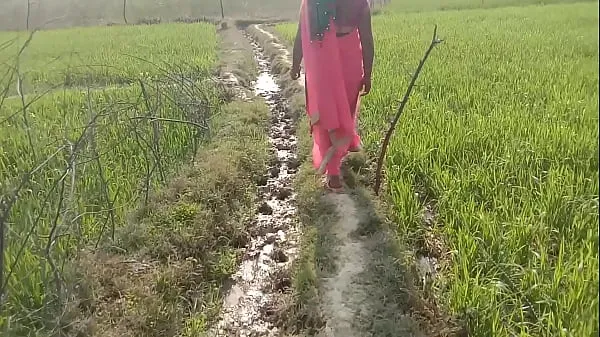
column 355, row 145
column 334, row 184
column 355, row 149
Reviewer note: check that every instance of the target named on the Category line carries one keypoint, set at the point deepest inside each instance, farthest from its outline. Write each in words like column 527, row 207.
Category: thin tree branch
column 181, row 91
column 152, row 119
column 6, row 204
column 22, row 95
column 101, row 174
column 155, row 134
column 434, row 42
column 28, row 14
column 125, row 11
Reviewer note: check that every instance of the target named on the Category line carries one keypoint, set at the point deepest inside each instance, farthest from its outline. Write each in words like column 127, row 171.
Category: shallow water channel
column 249, row 305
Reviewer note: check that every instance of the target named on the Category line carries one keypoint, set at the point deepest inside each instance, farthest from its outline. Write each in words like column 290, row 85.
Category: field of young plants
column 83, row 155
column 101, row 56
column 434, row 5
column 500, row 136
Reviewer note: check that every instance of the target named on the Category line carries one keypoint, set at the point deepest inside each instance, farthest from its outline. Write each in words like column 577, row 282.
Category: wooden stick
column 434, row 42
column 152, row 119
column 125, row 11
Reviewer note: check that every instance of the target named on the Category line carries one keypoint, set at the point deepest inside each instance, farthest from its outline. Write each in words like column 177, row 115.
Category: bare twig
column 22, row 94
column 30, row 232
column 28, row 13
column 434, row 42
column 155, row 133
column 171, row 120
column 125, row 11
column 111, row 212
column 10, row 74
column 148, row 172
column 51, row 236
column 27, row 105
column 108, row 200
column 7, row 43
column 6, row 203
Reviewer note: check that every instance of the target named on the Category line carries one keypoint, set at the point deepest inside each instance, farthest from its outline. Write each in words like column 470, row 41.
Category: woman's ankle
column 355, row 149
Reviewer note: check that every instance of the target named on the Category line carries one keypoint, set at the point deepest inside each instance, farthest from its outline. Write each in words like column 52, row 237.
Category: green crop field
column 501, row 133
column 434, row 5
column 100, row 56
column 85, row 154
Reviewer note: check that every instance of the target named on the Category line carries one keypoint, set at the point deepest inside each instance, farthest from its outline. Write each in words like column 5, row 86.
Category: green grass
column 99, row 56
column 501, row 133
column 435, row 5
column 86, row 186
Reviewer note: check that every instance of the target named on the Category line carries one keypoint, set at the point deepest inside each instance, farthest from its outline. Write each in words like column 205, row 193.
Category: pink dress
column 334, row 72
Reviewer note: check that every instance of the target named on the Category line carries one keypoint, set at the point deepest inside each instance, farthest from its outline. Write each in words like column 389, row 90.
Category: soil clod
column 284, row 193
column 274, row 172
column 279, row 256
column 262, row 181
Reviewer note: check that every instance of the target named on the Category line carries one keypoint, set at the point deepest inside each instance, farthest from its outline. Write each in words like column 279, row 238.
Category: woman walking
column 336, row 42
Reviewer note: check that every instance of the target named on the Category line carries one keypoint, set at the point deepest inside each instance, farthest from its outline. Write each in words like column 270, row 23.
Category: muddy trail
column 344, row 295
column 249, row 305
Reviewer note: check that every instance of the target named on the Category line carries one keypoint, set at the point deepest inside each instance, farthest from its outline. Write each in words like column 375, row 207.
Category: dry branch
column 7, row 201
column 22, row 94
column 159, row 119
column 101, row 174
column 32, row 228
column 28, row 13
column 434, row 42
column 125, row 11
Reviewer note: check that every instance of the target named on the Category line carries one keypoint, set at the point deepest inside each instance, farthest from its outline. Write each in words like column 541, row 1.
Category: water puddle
column 284, row 53
column 265, row 84
column 249, row 306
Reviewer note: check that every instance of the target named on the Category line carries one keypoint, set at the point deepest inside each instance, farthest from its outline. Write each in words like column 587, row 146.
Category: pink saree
column 334, row 72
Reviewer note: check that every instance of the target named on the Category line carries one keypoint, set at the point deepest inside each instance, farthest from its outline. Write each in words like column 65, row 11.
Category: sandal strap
column 333, row 189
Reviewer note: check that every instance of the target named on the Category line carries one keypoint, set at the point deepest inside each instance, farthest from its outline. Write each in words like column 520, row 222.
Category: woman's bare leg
column 334, row 168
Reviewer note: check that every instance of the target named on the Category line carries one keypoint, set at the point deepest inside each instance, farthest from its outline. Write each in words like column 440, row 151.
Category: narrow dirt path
column 344, row 295
column 249, row 305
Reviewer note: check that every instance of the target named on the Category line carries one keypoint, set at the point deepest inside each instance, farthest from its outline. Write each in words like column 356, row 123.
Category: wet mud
column 250, row 305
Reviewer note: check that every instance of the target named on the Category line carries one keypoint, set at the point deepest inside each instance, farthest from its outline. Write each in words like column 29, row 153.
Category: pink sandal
column 332, row 189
